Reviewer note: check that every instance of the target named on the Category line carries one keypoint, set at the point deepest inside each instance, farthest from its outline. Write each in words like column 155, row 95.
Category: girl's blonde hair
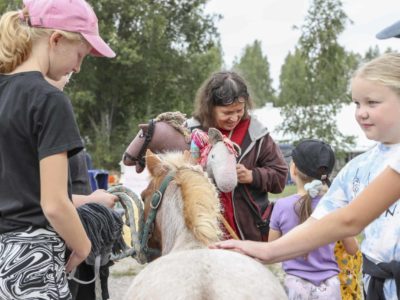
column 384, row 69
column 17, row 38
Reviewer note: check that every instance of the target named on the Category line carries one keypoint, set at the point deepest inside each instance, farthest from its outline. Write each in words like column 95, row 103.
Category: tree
column 254, row 67
column 371, row 53
column 314, row 79
column 6, row 5
column 165, row 50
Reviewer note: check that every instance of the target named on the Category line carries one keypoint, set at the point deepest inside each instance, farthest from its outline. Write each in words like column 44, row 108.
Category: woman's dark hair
column 221, row 89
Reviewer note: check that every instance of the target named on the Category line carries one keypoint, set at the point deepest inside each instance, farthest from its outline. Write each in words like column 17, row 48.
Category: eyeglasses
column 220, row 100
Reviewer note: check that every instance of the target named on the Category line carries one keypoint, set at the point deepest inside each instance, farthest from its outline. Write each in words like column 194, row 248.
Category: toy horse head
column 165, row 133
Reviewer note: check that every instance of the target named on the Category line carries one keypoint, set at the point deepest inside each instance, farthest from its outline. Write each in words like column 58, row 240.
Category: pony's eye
column 212, row 156
column 141, row 135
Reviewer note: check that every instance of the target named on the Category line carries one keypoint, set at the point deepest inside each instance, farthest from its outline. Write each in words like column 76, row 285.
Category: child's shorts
column 32, row 265
column 299, row 289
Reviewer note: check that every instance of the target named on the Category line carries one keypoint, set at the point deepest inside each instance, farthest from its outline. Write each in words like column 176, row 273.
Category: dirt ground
column 121, row 275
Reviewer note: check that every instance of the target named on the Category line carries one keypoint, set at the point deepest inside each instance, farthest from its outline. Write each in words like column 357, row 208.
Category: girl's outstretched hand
column 228, row 245
column 254, row 249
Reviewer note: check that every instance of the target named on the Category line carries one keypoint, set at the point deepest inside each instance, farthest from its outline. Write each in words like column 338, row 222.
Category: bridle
column 140, row 158
column 149, row 224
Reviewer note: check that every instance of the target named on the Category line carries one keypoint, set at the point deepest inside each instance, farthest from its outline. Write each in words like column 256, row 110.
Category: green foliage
column 374, row 52
column 371, row 53
column 254, row 67
column 165, row 50
column 6, row 5
column 290, row 189
column 314, row 79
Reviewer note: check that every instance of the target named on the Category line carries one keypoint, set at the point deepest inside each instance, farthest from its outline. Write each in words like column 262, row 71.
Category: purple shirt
column 320, row 264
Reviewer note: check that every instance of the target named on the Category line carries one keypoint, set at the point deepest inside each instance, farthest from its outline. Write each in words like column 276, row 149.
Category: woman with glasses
column 223, row 102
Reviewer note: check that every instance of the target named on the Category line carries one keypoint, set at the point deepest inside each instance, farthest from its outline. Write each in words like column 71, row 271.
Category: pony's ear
column 187, row 156
column 153, row 163
column 214, row 136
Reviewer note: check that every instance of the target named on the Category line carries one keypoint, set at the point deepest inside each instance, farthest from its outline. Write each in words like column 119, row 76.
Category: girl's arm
column 59, row 210
column 350, row 245
column 274, row 235
column 344, row 222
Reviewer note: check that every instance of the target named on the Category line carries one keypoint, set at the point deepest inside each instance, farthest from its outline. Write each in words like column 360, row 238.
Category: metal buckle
column 159, row 195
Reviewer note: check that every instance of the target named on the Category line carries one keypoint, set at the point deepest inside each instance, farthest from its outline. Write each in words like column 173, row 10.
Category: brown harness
column 141, row 158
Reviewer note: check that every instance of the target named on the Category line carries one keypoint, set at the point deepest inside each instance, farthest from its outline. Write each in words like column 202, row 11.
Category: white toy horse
column 186, row 209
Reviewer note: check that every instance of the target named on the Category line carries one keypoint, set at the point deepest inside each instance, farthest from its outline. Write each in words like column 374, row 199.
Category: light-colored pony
column 168, row 133
column 186, row 223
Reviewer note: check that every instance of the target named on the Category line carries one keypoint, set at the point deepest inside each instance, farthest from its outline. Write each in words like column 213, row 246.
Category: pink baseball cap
column 69, row 15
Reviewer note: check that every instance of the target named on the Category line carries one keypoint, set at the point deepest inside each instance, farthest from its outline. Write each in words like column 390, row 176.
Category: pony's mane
column 201, row 205
column 176, row 120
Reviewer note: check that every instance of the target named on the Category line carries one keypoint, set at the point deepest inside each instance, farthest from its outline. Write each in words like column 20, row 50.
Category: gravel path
column 121, row 276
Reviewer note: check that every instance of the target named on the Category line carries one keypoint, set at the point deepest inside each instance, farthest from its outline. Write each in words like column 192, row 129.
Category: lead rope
column 71, row 276
column 128, row 200
column 133, row 206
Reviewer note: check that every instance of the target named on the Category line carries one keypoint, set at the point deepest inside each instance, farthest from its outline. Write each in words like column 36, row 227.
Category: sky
column 272, row 21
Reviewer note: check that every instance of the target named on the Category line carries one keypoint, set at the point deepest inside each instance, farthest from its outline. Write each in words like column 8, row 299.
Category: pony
column 186, row 220
column 167, row 132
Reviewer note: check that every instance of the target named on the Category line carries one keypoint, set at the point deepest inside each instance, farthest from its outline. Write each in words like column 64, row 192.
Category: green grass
column 289, row 190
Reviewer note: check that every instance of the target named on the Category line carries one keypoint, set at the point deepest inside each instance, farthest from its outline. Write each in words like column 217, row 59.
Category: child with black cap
column 314, row 276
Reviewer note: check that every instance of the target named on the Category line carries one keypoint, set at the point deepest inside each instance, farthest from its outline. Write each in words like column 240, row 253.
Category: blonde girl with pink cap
column 38, row 133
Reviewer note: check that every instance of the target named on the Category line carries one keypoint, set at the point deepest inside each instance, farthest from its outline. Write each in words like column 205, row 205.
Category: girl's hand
column 103, row 197
column 244, row 175
column 250, row 248
column 77, row 257
column 234, row 245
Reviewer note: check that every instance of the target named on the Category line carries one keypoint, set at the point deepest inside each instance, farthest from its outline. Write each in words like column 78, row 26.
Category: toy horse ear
column 153, row 163
column 237, row 148
column 144, row 127
column 214, row 135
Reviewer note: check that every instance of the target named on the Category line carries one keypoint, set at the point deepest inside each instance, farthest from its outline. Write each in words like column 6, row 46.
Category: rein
column 149, row 225
column 147, row 139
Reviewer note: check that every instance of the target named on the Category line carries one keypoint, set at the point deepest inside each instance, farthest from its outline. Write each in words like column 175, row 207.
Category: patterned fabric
column 300, row 289
column 32, row 266
column 350, row 272
column 381, row 236
column 200, row 146
column 201, row 140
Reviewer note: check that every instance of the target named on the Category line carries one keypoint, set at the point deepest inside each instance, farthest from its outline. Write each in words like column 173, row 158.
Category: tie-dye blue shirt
column 382, row 236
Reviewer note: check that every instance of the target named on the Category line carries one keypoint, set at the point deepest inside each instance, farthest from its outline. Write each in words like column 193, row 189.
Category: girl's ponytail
column 15, row 41
column 303, row 206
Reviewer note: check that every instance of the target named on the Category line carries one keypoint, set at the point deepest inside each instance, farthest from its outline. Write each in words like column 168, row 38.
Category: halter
column 140, row 158
column 149, row 225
